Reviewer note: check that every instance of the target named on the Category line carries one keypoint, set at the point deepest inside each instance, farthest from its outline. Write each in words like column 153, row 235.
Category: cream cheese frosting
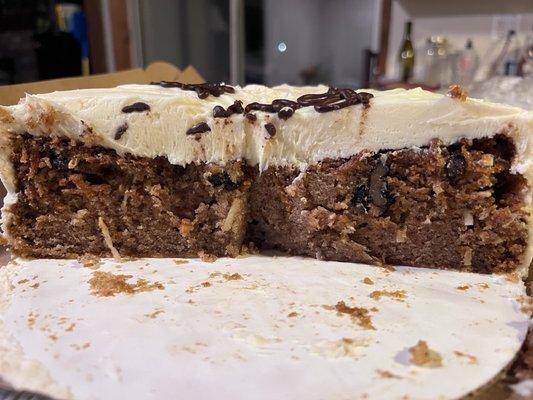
column 395, row 119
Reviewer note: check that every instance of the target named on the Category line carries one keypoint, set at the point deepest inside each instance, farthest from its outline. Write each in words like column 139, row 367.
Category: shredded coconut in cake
column 107, row 239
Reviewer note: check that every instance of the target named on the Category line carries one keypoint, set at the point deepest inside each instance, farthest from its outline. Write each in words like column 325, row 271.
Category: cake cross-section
column 169, row 169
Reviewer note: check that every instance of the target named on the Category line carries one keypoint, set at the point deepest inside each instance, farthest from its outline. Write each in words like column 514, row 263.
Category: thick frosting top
column 181, row 125
column 152, row 120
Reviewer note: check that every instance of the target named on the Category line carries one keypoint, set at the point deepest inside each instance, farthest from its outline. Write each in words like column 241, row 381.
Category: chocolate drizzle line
column 136, row 107
column 271, row 129
column 203, row 90
column 121, row 130
column 235, row 108
column 251, row 117
column 198, row 128
column 333, row 99
column 273, row 107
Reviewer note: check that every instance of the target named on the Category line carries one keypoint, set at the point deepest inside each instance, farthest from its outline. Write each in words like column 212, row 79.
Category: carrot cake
column 178, row 170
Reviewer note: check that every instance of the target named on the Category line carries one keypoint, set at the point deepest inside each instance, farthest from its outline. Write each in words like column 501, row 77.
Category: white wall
column 160, row 31
column 329, row 34
column 187, row 32
column 293, row 22
column 480, row 20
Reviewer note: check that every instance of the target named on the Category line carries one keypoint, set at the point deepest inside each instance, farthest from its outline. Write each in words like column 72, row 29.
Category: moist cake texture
column 174, row 170
column 433, row 206
column 75, row 200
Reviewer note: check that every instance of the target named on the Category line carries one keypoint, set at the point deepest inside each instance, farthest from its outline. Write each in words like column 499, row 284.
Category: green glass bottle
column 407, row 55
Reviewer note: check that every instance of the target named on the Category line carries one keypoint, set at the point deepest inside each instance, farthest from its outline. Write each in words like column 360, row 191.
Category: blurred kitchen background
column 485, row 45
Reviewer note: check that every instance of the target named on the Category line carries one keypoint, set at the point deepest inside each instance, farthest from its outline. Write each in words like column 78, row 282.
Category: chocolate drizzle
column 334, row 99
column 198, row 128
column 251, row 117
column 283, row 107
column 136, row 107
column 271, row 129
column 121, row 130
column 235, row 108
column 220, row 112
column 285, row 113
column 203, row 90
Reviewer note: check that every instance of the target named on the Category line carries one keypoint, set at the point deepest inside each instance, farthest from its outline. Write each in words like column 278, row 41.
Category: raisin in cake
column 169, row 169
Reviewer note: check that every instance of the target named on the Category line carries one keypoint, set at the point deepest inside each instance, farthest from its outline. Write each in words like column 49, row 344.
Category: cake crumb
column 89, row 261
column 232, row 277
column 358, row 314
column 154, row 314
column 194, row 288
column 511, row 277
column 471, row 359
column 292, row 314
column 368, row 281
column 387, row 267
column 180, row 262
column 344, row 347
column 457, row 92
column 31, row 320
column 208, row 258
column 398, row 295
column 483, row 285
column 249, row 249
column 526, row 304
column 106, row 284
column 463, row 287
column 71, row 327
column 80, row 347
column 22, row 281
column 35, row 285
column 423, row 356
column 382, row 373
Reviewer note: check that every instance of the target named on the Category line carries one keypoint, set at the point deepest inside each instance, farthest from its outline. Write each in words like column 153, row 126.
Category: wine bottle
column 407, row 55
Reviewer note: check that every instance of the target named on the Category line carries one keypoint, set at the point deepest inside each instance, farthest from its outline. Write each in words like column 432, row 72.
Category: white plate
column 270, row 332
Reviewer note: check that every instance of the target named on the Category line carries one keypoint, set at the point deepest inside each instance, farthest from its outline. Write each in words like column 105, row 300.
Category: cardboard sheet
column 157, row 71
column 255, row 327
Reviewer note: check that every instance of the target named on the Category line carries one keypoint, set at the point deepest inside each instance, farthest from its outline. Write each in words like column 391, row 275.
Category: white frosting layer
column 395, row 119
